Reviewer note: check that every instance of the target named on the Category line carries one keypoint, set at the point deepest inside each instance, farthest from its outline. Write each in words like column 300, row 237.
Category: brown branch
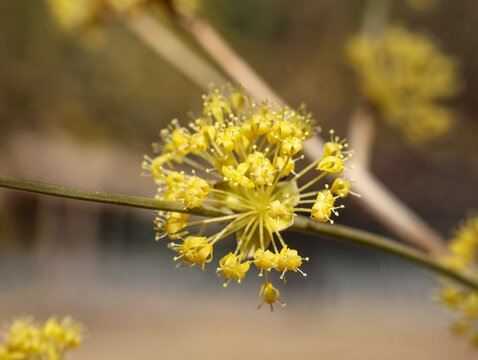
column 361, row 125
column 166, row 44
column 361, row 130
column 377, row 199
column 225, row 56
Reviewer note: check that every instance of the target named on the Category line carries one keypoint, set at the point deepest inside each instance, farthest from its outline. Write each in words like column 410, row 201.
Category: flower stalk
column 105, row 198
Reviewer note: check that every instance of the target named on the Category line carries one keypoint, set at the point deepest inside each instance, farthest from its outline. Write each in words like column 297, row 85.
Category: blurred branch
column 301, row 223
column 166, row 44
column 361, row 129
column 229, row 60
column 377, row 200
column 376, row 16
column 361, row 124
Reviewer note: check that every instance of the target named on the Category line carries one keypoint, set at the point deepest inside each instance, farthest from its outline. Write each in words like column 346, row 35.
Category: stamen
column 216, row 219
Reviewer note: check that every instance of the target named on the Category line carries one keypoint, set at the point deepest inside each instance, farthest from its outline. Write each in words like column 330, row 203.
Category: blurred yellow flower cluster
column 85, row 15
column 71, row 15
column 462, row 257
column 422, row 5
column 82, row 14
column 27, row 340
column 405, row 77
column 243, row 157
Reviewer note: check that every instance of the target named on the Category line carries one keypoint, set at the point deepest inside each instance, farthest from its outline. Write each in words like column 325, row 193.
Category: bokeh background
column 84, row 117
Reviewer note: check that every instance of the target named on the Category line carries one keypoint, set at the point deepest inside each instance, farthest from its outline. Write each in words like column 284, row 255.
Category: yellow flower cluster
column 243, row 157
column 462, row 257
column 405, row 76
column 82, row 14
column 27, row 340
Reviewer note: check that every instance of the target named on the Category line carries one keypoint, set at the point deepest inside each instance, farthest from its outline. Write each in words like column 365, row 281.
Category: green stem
column 107, row 198
column 301, row 224
column 381, row 243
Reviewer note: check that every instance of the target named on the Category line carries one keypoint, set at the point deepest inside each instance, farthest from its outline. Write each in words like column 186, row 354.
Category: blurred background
column 79, row 117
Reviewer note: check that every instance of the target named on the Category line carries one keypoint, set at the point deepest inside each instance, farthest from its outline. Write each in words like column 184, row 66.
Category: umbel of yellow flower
column 243, row 157
column 27, row 340
column 462, row 257
column 406, row 77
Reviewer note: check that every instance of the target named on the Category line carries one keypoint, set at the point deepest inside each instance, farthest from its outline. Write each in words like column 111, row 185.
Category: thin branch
column 361, row 127
column 361, row 130
column 228, row 59
column 301, row 224
column 360, row 237
column 378, row 200
column 376, row 16
column 165, row 43
column 107, row 198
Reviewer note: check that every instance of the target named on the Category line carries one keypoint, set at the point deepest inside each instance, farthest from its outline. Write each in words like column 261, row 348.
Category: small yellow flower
column 244, row 157
column 269, row 295
column 228, row 138
column 340, row 187
column 231, row 267
column 288, row 260
column 264, row 260
column 171, row 224
column 323, row 206
column 263, row 174
column 236, row 176
column 195, row 191
column 332, row 165
column 286, row 165
column 334, row 155
column 194, row 250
